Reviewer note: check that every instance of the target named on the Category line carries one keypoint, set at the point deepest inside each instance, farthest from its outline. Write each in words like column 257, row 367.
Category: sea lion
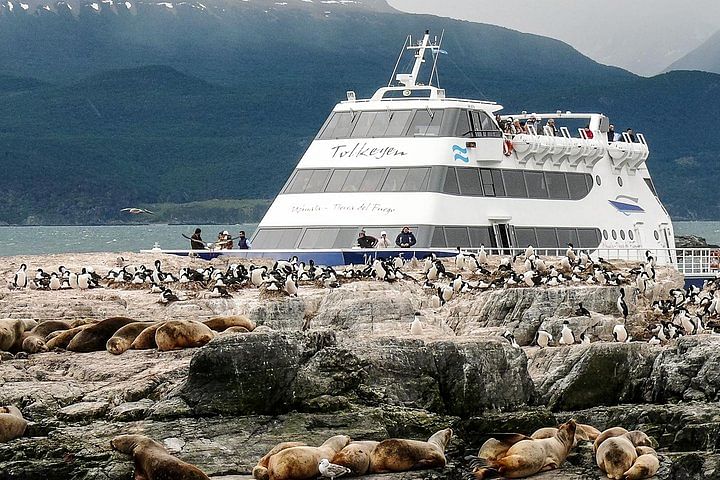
column 146, row 339
column 11, row 332
column 235, row 330
column 123, row 338
column 497, row 446
column 12, row 423
column 34, row 341
column 79, row 322
column 646, row 465
column 260, row 472
column 615, row 456
column 356, row 456
column 152, row 460
column 583, row 433
column 301, row 463
column 610, row 432
column 61, row 338
column 528, row 457
column 177, row 334
column 94, row 337
column 638, row 438
column 399, row 455
column 220, row 324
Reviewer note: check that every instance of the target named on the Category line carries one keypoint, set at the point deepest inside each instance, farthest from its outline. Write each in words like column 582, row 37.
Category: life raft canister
column 508, row 148
column 715, row 259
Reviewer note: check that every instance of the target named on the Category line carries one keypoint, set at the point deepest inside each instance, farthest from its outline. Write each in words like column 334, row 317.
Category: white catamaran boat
column 461, row 175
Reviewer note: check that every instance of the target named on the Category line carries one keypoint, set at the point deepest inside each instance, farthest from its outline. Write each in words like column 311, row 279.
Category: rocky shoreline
column 355, row 370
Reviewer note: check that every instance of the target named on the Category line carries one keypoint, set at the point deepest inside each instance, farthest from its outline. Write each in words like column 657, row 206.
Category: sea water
column 133, row 238
column 39, row 240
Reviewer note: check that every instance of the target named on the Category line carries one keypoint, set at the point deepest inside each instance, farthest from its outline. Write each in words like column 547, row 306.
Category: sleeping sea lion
column 583, row 433
column 12, row 423
column 94, row 337
column 61, row 339
column 234, row 330
column 646, row 465
column 123, row 338
column 260, row 472
column 146, row 339
column 34, row 341
column 399, row 455
column 638, row 438
column 497, row 446
column 528, row 457
column 615, row 456
column 301, row 463
column 11, row 333
column 608, row 433
column 152, row 460
column 220, row 324
column 177, row 334
column 356, row 456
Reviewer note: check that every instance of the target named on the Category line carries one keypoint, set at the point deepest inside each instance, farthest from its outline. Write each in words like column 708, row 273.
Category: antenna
column 436, row 52
column 410, row 79
column 402, row 50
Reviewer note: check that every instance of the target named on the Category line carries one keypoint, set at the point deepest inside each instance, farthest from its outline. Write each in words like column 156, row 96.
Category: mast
column 410, row 79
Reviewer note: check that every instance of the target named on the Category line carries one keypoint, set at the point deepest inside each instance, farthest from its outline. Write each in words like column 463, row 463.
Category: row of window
column 441, row 237
column 425, row 122
column 488, row 182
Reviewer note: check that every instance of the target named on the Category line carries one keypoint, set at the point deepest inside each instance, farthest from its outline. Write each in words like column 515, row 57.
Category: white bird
column 331, row 470
column 543, row 338
column 566, row 336
column 136, row 211
column 416, row 328
column 529, row 251
column 620, row 334
column 20, row 280
column 654, row 340
column 291, row 286
column 482, row 255
column 55, row 281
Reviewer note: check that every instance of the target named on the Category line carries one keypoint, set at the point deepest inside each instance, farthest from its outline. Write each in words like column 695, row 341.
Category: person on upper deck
column 551, row 128
column 405, row 238
column 611, row 133
column 518, row 128
column 242, row 241
column 196, row 241
column 366, row 241
column 531, row 125
column 383, row 241
column 631, row 135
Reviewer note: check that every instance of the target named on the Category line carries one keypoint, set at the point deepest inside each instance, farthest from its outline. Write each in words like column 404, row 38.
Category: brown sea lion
column 638, row 438
column 528, row 457
column 94, row 337
column 79, row 322
column 301, row 463
column 399, row 455
column 583, row 433
column 356, row 456
column 146, row 339
column 61, row 339
column 235, row 330
column 260, row 472
column 177, row 334
column 12, row 423
column 152, row 460
column 34, row 341
column 605, row 434
column 497, row 446
column 615, row 456
column 11, row 333
column 220, row 324
column 646, row 465
column 123, row 338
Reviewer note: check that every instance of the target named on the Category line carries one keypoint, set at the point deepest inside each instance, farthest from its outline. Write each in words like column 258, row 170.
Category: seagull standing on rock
column 331, row 470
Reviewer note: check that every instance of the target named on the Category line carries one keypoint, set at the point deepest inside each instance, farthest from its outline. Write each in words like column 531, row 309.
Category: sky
column 643, row 36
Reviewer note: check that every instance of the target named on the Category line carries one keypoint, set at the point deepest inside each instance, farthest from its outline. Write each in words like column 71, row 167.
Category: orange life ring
column 508, row 148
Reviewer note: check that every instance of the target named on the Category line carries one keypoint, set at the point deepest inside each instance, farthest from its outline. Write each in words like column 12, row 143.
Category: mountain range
column 107, row 104
column 706, row 57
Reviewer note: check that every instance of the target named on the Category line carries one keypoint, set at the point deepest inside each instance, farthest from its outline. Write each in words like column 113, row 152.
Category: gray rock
column 83, row 411
column 131, row 411
column 690, row 371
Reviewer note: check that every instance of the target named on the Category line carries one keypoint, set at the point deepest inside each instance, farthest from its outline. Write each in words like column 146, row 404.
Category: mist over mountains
column 706, row 57
column 110, row 104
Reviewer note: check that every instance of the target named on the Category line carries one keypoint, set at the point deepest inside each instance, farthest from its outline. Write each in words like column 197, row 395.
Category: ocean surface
column 117, row 238
column 133, row 238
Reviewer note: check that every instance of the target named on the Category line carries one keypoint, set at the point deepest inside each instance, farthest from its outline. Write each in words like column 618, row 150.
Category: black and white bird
column 507, row 335
column 543, row 338
column 620, row 334
column 582, row 311
column 291, row 286
column 167, row 296
column 585, row 338
column 621, row 305
column 566, row 335
column 20, row 279
column 331, row 470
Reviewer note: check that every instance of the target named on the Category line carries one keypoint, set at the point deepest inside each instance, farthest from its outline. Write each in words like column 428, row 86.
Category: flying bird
column 136, row 211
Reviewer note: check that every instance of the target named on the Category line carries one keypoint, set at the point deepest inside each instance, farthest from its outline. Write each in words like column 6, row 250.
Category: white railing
column 688, row 261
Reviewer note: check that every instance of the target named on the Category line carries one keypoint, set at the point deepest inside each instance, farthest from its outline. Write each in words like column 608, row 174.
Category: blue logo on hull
column 460, row 153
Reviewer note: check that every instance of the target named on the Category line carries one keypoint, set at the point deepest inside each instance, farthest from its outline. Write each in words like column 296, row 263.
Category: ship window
column 536, row 184
column 525, row 236
column 657, row 235
column 480, row 236
column 337, row 179
column 339, row 126
column 345, row 238
column 317, row 181
column 614, row 235
column 353, row 181
column 463, row 128
column 650, row 185
column 395, row 179
column 546, row 237
column 451, row 183
column 372, row 180
column 557, row 186
column 469, row 181
column 578, row 185
column 397, row 123
column 498, row 183
column 300, row 181
column 630, row 234
column 457, row 236
column 622, row 234
column 313, row 236
column 438, row 238
column 514, row 183
column 363, row 124
column 328, row 238
column 605, row 234
column 597, row 180
column 416, row 180
column 276, row 238
column 426, row 123
column 567, row 235
column 589, row 237
column 486, row 179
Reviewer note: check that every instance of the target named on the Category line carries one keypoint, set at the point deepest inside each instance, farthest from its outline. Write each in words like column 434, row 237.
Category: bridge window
column 514, row 183
column 536, row 185
column 480, row 236
column 337, row 180
column 426, row 123
column 526, row 236
column 451, row 182
column 469, row 181
column 395, row 179
column 363, row 124
column 339, row 126
column 397, row 123
column 372, row 180
column 416, row 180
column 457, row 236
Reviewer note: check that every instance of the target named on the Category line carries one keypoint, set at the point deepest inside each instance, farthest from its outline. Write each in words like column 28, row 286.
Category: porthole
column 657, row 235
column 620, row 181
column 605, row 234
column 598, row 180
column 622, row 234
column 614, row 235
column 630, row 234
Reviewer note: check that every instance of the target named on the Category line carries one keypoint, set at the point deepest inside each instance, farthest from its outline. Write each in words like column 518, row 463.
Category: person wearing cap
column 383, row 241
column 551, row 129
column 405, row 238
column 222, row 240
column 242, row 242
column 366, row 241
